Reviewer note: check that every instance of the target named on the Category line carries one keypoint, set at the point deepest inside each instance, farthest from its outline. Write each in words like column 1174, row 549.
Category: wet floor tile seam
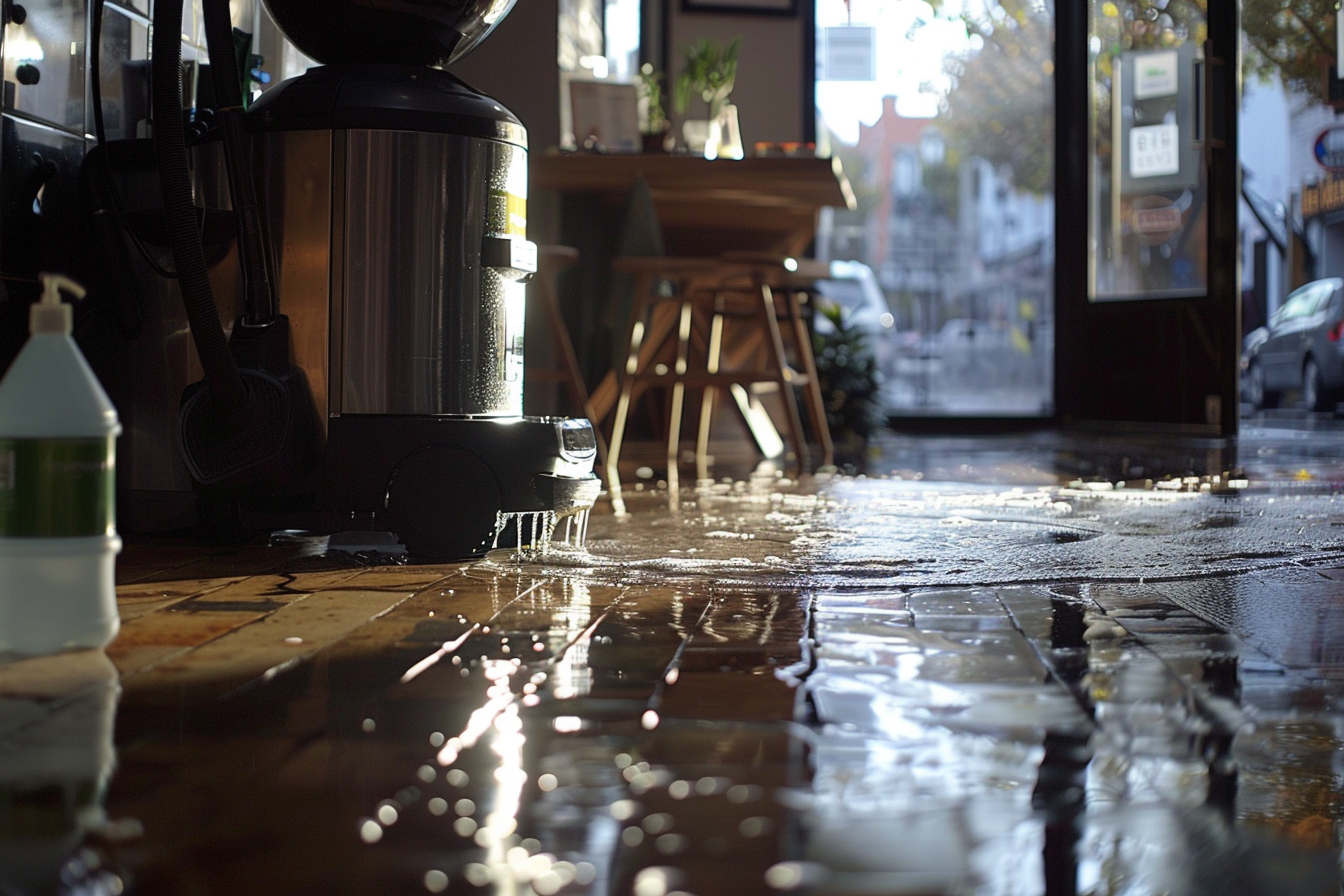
column 1216, row 736
column 1210, row 607
column 1102, row 632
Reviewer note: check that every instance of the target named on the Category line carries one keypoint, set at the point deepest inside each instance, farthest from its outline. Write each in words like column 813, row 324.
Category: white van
column 853, row 287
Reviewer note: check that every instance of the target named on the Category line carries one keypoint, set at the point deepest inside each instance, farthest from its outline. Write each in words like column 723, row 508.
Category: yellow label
column 508, row 214
column 517, row 212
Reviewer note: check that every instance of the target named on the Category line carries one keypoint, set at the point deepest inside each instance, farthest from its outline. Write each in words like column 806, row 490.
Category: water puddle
column 859, row 686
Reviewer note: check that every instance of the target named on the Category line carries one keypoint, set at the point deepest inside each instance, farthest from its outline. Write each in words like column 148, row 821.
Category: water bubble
column 657, row 823
column 436, row 881
column 368, row 726
column 624, row 810
column 547, row 782
column 370, row 831
column 426, row 773
column 743, row 793
column 457, row 777
column 387, row 814
column 656, row 881
column 547, row 884
column 785, row 875
column 438, row 806
column 755, row 826
column 477, row 875
column 632, row 836
column 679, row 790
column 465, row 827
column 464, row 807
column 672, row 844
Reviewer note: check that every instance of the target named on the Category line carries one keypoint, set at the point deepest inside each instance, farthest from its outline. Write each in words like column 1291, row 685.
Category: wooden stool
column 680, row 339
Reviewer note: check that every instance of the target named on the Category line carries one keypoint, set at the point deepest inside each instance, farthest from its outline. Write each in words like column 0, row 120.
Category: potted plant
column 655, row 129
column 708, row 72
column 850, row 385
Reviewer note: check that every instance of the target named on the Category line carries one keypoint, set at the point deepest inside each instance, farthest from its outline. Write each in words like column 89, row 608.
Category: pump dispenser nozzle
column 51, row 315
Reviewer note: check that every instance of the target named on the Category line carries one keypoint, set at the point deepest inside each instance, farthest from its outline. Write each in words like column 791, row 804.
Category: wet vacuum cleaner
column 374, row 380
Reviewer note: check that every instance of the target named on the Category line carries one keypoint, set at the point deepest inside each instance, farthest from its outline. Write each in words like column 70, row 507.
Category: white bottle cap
column 51, row 315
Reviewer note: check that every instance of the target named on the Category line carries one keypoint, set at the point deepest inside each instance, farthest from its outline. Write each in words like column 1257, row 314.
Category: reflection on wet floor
column 854, row 686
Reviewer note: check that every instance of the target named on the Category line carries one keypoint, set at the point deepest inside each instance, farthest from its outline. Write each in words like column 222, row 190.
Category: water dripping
column 537, row 529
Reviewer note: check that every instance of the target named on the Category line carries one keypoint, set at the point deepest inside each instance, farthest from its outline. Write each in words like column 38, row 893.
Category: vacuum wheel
column 442, row 503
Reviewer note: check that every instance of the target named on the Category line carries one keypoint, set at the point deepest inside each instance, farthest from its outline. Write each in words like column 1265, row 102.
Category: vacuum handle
column 514, row 258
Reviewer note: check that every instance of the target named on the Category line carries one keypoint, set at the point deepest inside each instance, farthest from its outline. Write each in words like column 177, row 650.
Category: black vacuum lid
column 384, row 97
column 409, row 32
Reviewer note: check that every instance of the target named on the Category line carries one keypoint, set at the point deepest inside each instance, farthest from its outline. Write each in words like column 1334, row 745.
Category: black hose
column 170, row 147
column 100, row 131
column 258, row 295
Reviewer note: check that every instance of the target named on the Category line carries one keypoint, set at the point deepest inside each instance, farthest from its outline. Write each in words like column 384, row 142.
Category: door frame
column 1168, row 364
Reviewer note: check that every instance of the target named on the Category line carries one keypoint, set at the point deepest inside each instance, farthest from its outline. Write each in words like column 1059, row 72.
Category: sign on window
column 1155, row 150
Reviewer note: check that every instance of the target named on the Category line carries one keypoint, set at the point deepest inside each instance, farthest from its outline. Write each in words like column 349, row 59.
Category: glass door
column 1148, row 305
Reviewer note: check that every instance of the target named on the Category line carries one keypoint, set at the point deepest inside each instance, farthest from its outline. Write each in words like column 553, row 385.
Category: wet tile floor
column 848, row 686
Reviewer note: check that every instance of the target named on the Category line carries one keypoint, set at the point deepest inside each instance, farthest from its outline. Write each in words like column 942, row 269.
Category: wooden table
column 708, row 207
column 704, row 208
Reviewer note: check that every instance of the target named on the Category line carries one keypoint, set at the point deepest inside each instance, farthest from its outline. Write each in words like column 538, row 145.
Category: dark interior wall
column 517, row 66
column 771, row 84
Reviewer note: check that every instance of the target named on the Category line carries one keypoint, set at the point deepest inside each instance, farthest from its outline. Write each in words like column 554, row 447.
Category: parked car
column 854, row 288
column 1250, row 345
column 1301, row 350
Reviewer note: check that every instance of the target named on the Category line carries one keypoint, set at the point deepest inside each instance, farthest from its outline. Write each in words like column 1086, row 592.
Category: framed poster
column 606, row 115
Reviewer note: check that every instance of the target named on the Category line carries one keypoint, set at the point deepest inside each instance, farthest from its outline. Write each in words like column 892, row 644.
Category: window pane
column 1148, row 211
column 945, row 125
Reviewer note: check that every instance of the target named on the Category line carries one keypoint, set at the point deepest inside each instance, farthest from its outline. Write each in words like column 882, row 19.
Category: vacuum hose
column 250, row 429
column 170, row 147
column 258, row 293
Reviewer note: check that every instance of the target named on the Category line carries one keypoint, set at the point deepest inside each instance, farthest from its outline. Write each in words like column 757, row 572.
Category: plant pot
column 725, row 137
column 660, row 141
column 695, row 133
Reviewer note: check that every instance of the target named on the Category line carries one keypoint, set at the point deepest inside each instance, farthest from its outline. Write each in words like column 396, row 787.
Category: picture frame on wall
column 743, row 7
column 606, row 114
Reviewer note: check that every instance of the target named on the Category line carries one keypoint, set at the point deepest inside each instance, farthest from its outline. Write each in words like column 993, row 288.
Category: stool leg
column 678, row 400
column 713, row 357
column 785, row 381
column 816, row 403
column 614, row 448
column 625, row 376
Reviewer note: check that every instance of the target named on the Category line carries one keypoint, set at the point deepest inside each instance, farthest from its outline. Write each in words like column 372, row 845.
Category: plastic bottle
column 58, row 539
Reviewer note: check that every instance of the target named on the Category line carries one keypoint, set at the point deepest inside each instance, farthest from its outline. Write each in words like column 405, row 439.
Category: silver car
column 1302, row 349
